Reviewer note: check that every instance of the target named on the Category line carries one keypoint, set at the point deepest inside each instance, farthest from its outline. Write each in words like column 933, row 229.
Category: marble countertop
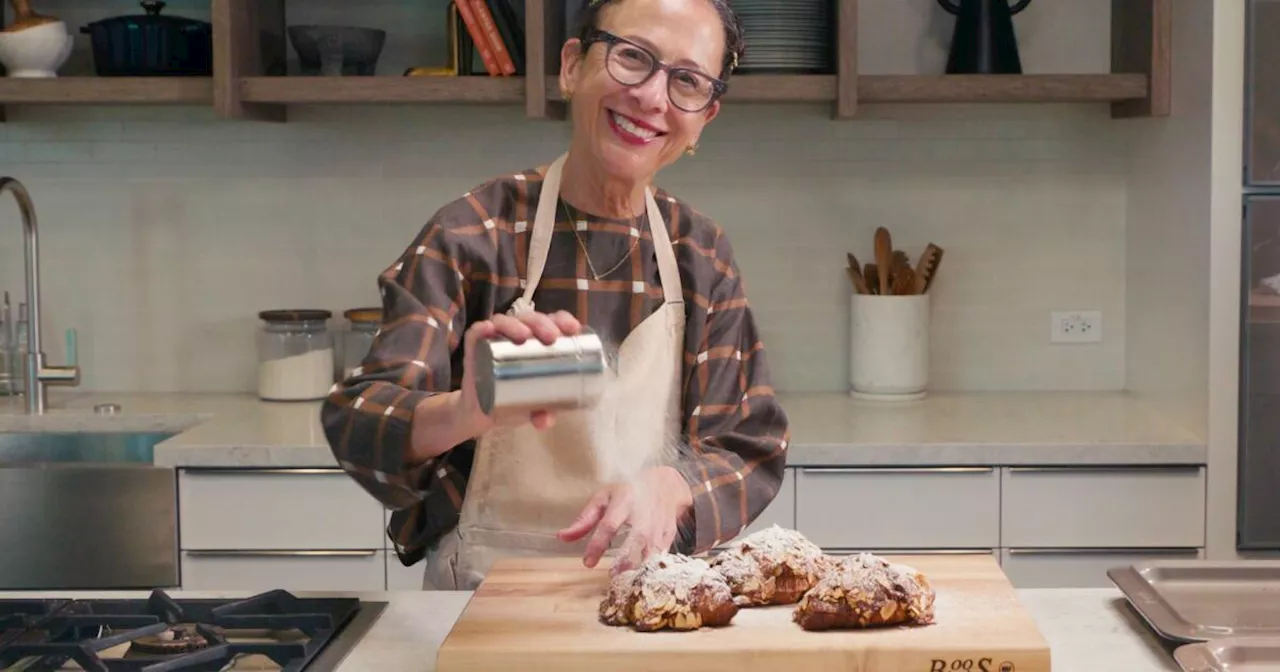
column 828, row 429
column 1088, row 630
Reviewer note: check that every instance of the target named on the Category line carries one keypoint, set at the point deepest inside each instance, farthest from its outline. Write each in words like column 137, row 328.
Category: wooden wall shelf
column 250, row 34
column 1001, row 88
column 318, row 90
column 107, row 91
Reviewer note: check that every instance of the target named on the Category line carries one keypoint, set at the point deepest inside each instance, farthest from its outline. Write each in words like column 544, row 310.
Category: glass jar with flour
column 295, row 355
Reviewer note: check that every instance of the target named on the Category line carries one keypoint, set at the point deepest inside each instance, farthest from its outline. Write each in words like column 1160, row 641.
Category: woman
column 643, row 269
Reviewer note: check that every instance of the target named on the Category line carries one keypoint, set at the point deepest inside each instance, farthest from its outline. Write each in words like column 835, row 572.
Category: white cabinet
column 400, row 577
column 899, row 508
column 294, row 529
column 1055, row 526
column 1078, row 567
column 1109, row 507
column 285, row 570
column 276, row 509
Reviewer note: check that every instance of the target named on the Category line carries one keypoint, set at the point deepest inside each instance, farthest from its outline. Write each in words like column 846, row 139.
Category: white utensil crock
column 889, row 347
column 36, row 52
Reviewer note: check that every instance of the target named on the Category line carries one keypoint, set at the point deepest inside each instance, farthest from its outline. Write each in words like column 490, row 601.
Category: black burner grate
column 39, row 635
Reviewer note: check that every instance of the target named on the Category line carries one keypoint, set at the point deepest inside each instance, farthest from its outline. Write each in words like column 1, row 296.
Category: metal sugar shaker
column 568, row 374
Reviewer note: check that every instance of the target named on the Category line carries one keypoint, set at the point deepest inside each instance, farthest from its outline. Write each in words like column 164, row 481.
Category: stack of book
column 490, row 29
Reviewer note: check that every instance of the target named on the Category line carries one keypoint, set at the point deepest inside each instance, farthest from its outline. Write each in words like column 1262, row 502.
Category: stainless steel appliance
column 86, row 511
column 276, row 630
column 1258, row 503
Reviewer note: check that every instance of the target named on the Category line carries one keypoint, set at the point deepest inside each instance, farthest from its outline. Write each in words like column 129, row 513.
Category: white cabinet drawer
column 1103, row 507
column 899, row 508
column 781, row 511
column 292, row 571
column 899, row 553
column 1078, row 567
column 292, row 509
column 400, row 577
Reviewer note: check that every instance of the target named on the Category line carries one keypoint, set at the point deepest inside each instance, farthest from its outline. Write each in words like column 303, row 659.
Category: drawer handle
column 898, row 470
column 250, row 472
column 1114, row 469
column 279, row 554
column 1104, row 551
column 912, row 551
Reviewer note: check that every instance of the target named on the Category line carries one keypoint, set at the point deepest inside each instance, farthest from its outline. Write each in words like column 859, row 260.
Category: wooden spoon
column 903, row 281
column 927, row 268
column 872, row 277
column 24, row 17
column 884, row 257
column 855, row 275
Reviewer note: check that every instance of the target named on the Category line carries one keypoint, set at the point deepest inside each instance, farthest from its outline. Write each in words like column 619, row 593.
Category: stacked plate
column 788, row 36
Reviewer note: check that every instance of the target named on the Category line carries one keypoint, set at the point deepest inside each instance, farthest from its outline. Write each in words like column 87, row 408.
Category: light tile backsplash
column 164, row 231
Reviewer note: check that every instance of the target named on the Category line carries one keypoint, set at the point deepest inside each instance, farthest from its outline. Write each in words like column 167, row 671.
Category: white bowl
column 37, row 51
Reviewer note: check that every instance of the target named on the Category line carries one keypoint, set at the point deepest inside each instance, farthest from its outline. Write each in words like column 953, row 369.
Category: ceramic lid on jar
column 364, row 315
column 295, row 315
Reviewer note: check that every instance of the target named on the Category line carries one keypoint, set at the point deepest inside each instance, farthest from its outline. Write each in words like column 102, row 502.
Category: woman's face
column 634, row 131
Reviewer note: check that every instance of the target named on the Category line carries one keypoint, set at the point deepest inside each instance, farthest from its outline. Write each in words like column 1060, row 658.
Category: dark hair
column 734, row 42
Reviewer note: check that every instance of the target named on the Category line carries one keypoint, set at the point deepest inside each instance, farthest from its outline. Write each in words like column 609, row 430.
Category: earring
column 691, row 149
column 566, row 95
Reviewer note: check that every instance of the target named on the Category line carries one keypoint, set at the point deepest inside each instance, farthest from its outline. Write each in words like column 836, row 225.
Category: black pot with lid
column 151, row 44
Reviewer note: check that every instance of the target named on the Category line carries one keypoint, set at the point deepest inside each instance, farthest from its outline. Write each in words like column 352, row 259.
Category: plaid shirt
column 467, row 264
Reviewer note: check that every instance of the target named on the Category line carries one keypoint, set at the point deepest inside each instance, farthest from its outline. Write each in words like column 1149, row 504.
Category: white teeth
column 632, row 128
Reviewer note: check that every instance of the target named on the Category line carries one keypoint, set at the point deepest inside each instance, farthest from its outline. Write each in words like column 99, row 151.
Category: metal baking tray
column 1202, row 600
column 1230, row 654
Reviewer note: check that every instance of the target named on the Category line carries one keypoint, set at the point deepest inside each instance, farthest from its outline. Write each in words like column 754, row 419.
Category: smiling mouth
column 632, row 131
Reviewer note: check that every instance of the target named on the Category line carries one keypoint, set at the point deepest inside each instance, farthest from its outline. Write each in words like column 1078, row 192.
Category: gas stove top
column 275, row 630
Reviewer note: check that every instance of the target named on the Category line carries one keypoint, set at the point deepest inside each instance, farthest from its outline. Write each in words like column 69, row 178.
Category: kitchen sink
column 80, row 447
column 86, row 511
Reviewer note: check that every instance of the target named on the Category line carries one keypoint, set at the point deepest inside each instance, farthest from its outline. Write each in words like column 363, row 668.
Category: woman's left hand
column 651, row 507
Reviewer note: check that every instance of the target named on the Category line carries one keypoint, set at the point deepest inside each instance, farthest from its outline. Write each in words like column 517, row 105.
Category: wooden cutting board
column 541, row 614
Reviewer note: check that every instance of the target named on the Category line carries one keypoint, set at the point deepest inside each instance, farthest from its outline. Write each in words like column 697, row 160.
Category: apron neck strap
column 544, row 224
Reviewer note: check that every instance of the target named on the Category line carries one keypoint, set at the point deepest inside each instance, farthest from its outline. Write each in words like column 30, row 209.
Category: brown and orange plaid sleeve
column 416, row 354
column 736, row 429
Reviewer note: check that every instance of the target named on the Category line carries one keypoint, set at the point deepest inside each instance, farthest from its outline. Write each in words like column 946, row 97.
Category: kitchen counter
column 1087, row 630
column 828, row 429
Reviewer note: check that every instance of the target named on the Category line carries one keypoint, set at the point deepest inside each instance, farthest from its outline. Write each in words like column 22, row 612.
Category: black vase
column 984, row 42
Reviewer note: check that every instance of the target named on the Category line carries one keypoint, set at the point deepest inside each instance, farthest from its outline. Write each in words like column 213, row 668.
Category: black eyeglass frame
column 718, row 86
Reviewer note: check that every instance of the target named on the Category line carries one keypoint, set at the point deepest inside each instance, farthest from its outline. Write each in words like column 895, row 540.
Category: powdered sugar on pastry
column 772, row 566
column 668, row 592
column 863, row 591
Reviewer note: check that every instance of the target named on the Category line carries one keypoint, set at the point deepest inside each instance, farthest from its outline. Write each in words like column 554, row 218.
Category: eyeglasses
column 632, row 65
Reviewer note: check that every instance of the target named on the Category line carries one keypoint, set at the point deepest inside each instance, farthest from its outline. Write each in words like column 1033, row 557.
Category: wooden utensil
column 24, row 17
column 899, row 281
column 884, row 257
column 542, row 614
column 927, row 267
column 871, row 274
column 855, row 275
column 904, row 281
column 900, row 258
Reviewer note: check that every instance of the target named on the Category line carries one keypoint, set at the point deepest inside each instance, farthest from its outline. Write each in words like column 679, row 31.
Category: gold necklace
column 587, row 255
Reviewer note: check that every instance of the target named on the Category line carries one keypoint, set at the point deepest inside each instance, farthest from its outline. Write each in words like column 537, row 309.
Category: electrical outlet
column 1075, row 326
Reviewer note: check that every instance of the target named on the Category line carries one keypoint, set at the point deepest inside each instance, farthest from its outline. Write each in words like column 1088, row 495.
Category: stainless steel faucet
column 38, row 375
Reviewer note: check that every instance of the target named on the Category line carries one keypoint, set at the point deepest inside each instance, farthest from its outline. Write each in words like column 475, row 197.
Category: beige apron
column 527, row 484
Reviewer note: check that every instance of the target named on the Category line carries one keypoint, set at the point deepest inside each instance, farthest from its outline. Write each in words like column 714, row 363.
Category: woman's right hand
column 518, row 329
column 443, row 421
